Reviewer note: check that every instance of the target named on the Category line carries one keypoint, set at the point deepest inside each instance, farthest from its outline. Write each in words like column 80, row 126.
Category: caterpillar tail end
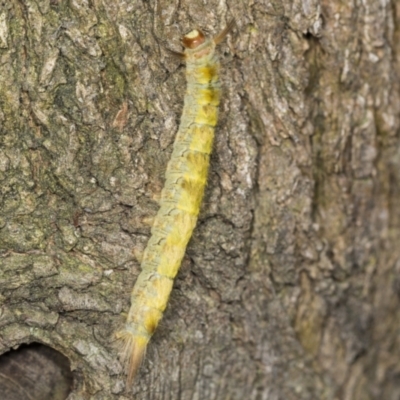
column 132, row 349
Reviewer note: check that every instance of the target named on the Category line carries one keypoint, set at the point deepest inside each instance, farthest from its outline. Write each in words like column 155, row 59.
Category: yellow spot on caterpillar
column 207, row 115
column 200, row 138
column 208, row 96
column 207, row 74
column 181, row 197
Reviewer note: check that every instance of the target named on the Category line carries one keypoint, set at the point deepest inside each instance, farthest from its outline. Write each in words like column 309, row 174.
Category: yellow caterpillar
column 181, row 197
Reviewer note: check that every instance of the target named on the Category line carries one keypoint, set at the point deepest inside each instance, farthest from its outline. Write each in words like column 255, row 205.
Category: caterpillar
column 181, row 197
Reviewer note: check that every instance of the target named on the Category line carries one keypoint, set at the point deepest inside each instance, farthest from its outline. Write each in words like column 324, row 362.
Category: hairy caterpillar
column 181, row 197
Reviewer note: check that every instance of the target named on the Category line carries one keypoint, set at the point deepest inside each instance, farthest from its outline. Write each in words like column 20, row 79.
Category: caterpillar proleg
column 181, row 197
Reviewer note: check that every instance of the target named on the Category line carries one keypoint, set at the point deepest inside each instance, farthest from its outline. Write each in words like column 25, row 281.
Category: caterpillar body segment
column 181, row 197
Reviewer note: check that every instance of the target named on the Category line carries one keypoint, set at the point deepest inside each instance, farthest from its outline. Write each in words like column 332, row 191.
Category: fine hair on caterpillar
column 181, row 197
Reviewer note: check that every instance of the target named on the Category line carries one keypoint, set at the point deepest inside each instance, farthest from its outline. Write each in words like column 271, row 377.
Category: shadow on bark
column 35, row 372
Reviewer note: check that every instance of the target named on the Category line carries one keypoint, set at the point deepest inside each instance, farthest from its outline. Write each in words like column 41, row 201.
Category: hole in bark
column 34, row 372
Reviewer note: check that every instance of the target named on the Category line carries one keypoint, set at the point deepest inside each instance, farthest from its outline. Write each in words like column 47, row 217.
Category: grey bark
column 290, row 287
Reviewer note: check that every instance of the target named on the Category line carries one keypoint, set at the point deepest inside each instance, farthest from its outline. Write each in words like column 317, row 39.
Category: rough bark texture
column 290, row 288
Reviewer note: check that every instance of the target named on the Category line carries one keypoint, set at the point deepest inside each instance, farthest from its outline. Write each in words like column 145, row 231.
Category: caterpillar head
column 193, row 39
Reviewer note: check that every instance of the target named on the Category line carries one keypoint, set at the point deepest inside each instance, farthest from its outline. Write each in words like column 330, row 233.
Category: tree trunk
column 290, row 286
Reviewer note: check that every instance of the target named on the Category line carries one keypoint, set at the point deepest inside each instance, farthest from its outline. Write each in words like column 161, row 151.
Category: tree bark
column 290, row 287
